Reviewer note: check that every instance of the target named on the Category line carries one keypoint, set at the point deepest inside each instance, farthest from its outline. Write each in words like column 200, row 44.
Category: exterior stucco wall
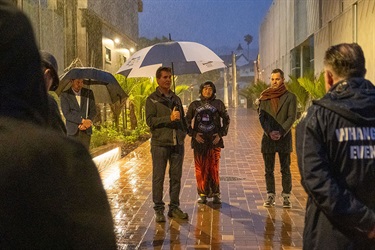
column 122, row 14
column 328, row 22
column 83, row 29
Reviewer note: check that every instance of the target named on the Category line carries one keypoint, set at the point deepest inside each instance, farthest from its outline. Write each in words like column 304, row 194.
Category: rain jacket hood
column 22, row 91
column 340, row 98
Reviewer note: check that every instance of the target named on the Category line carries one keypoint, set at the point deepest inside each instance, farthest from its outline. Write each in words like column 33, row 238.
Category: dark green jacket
column 164, row 132
column 281, row 121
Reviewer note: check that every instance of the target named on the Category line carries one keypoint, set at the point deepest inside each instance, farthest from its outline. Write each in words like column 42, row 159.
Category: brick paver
column 241, row 222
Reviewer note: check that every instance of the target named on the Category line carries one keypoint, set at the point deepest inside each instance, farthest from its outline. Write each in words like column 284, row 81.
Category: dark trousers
column 160, row 157
column 286, row 177
column 83, row 137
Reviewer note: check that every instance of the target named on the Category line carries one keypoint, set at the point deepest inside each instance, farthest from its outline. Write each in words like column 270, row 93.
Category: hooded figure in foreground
column 208, row 122
column 335, row 144
column 50, row 190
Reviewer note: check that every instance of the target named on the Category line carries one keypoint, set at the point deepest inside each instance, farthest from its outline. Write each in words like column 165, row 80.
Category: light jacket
column 335, row 144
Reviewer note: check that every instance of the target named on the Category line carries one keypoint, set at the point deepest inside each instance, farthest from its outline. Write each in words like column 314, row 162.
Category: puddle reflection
column 174, row 232
column 269, row 231
column 159, row 235
column 207, row 226
column 286, row 229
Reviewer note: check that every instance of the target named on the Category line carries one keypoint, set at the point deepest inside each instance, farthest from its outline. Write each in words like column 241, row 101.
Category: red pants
column 207, row 172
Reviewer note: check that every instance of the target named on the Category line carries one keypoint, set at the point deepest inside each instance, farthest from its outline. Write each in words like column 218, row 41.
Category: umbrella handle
column 88, row 100
column 87, row 107
column 174, row 84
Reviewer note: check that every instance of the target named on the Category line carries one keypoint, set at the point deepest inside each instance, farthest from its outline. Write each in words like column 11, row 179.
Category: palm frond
column 315, row 87
column 302, row 95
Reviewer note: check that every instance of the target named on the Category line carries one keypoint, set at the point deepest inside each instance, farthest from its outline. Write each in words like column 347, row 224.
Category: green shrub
column 108, row 134
column 302, row 95
column 105, row 135
column 253, row 91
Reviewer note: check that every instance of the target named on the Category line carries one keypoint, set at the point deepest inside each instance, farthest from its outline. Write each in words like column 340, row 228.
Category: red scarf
column 273, row 94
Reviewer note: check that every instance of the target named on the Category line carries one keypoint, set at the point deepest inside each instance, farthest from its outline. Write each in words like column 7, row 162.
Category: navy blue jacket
column 335, row 144
column 74, row 113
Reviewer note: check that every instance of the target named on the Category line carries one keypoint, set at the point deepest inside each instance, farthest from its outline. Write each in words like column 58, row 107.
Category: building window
column 108, row 55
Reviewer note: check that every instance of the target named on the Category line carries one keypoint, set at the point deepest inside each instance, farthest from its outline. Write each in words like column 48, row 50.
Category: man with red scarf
column 277, row 113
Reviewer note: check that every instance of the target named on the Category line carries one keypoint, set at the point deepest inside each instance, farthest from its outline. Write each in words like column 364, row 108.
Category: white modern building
column 295, row 33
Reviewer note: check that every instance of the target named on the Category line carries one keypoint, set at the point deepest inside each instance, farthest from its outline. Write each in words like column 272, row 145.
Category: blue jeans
column 161, row 155
column 286, row 177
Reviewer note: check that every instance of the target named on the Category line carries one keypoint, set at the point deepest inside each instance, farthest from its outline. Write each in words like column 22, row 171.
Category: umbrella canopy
column 104, row 85
column 182, row 57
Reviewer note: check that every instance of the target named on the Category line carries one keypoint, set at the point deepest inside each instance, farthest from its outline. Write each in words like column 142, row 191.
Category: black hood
column 353, row 99
column 22, row 90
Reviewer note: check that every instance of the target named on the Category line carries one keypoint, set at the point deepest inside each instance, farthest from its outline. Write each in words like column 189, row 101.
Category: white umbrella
column 182, row 57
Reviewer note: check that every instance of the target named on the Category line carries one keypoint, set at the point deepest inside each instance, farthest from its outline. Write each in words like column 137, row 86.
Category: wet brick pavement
column 241, row 222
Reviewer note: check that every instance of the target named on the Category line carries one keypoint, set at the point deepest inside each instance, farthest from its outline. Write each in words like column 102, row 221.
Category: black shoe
column 159, row 217
column 202, row 199
column 216, row 200
column 177, row 213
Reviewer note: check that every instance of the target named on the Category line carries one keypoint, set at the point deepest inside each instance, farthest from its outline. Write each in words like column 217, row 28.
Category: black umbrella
column 104, row 85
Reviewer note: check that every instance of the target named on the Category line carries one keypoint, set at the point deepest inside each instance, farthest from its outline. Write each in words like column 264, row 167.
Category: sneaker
column 159, row 216
column 177, row 213
column 216, row 200
column 270, row 202
column 286, row 202
column 202, row 199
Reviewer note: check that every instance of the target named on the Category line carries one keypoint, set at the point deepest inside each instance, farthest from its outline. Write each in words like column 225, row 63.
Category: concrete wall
column 289, row 25
column 84, row 29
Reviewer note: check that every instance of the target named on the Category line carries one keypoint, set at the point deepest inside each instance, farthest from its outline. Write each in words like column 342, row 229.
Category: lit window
column 108, row 56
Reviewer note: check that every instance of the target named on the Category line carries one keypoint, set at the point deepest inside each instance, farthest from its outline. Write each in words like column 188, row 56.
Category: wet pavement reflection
column 240, row 222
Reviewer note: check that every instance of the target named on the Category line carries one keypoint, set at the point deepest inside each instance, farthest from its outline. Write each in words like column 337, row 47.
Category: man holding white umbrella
column 165, row 117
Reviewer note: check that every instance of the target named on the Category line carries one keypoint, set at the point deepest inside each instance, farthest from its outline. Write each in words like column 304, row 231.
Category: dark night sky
column 218, row 24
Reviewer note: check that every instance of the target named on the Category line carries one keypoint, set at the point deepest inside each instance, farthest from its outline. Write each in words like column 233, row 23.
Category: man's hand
column 175, row 115
column 85, row 124
column 81, row 127
column 216, row 139
column 199, row 138
column 275, row 135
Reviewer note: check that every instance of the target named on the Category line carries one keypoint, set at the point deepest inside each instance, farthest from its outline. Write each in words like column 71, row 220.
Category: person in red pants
column 208, row 122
